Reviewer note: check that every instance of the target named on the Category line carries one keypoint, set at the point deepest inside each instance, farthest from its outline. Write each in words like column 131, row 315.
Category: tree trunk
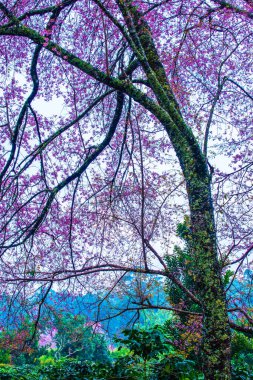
column 206, row 274
column 207, row 280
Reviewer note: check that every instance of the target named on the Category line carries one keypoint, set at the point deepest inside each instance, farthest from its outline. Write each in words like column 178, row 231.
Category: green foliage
column 143, row 355
column 46, row 360
column 182, row 265
column 73, row 370
column 241, row 344
column 177, row 367
column 74, row 339
column 128, row 367
column 242, row 367
column 242, row 357
column 66, row 370
column 226, row 278
column 5, row 356
column 155, row 317
column 152, row 352
column 184, row 229
column 61, row 370
column 146, row 343
column 25, row 372
column 120, row 353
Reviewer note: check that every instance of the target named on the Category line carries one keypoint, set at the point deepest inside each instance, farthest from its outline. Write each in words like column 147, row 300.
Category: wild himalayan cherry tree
column 119, row 120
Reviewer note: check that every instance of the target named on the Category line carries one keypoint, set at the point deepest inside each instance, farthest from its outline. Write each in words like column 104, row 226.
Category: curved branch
column 244, row 329
column 34, row 76
column 234, row 8
column 96, row 152
column 239, row 86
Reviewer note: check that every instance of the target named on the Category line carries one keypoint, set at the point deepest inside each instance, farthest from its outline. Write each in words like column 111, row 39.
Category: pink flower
column 47, row 339
column 111, row 348
column 96, row 327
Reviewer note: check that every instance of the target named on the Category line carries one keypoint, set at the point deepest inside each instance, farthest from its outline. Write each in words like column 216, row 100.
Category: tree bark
column 207, row 279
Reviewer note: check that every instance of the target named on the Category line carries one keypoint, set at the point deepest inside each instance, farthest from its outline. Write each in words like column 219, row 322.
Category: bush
column 242, row 367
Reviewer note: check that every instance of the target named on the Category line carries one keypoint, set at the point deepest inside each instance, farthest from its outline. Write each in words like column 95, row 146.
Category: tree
column 13, row 347
column 77, row 339
column 167, row 86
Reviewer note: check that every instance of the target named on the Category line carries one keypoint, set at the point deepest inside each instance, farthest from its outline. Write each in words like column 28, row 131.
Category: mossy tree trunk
column 207, row 278
column 206, row 274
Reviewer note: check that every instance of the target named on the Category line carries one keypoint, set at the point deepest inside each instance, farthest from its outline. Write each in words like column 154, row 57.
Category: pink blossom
column 47, row 339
